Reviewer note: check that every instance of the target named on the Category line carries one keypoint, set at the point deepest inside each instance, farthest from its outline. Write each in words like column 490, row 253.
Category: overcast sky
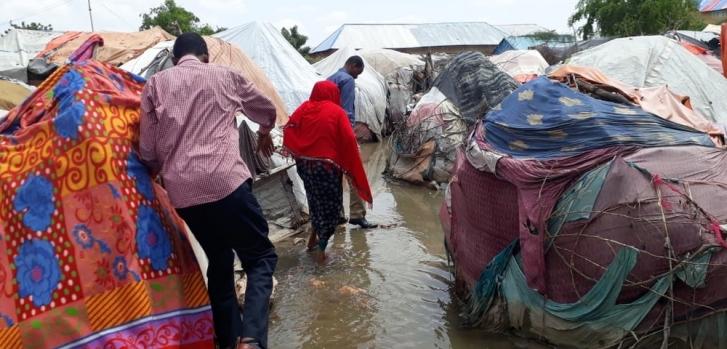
column 316, row 18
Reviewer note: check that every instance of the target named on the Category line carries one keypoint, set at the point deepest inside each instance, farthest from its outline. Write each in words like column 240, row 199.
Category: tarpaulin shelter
column 389, row 62
column 424, row 148
column 650, row 61
column 521, row 65
column 371, row 91
column 292, row 76
column 704, row 45
column 118, row 48
column 589, row 223
column 402, row 72
column 416, row 38
column 92, row 252
column 18, row 46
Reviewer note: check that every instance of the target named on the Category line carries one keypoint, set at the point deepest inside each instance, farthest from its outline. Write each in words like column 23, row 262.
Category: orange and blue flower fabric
column 92, row 254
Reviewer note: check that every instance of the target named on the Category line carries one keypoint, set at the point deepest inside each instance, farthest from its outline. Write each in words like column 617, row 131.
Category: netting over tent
column 589, row 227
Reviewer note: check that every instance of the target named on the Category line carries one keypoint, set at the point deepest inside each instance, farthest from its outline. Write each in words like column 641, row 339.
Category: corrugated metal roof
column 712, row 5
column 521, row 29
column 517, row 43
column 395, row 36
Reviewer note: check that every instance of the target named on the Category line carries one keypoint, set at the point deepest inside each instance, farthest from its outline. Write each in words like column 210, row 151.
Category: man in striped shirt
column 188, row 137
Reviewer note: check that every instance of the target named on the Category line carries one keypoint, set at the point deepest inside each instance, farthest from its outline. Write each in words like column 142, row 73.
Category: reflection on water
column 383, row 288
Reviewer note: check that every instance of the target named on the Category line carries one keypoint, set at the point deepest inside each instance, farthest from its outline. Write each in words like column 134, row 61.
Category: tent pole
column 90, row 15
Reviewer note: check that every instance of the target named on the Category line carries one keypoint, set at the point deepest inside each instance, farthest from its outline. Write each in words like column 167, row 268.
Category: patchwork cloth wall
column 92, row 254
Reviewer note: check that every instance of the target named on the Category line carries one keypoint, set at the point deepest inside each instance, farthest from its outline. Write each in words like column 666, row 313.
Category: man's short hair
column 189, row 44
column 355, row 61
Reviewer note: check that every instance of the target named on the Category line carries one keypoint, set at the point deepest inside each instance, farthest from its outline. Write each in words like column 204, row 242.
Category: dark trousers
column 236, row 223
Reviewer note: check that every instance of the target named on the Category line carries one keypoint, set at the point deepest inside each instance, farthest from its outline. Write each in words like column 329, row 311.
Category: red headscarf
column 320, row 129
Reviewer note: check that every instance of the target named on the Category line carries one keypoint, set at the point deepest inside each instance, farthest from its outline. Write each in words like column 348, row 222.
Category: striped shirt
column 188, row 132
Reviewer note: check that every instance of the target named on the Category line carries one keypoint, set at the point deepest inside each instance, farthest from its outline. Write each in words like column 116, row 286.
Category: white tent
column 389, row 62
column 520, row 64
column 370, row 89
column 650, row 61
column 292, row 76
column 139, row 64
column 18, row 46
column 712, row 28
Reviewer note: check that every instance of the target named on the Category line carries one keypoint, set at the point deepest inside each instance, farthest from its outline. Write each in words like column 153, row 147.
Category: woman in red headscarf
column 322, row 141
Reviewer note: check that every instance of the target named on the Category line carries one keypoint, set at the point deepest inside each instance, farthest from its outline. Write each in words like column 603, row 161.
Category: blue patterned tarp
column 546, row 119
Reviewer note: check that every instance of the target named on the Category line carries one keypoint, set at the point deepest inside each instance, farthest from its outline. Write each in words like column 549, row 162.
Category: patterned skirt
column 323, row 187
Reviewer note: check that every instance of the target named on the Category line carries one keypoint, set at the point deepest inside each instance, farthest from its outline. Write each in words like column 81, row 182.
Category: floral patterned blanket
column 92, row 254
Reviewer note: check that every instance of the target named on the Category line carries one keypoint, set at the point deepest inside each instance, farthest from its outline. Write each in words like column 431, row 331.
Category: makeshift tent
column 18, row 46
column 92, row 253
column 474, row 85
column 221, row 52
column 557, row 53
column 292, row 76
column 650, row 61
column 704, row 45
column 389, row 62
column 400, row 71
column 587, row 239
column 522, row 66
column 117, row 49
column 371, row 91
column 424, row 148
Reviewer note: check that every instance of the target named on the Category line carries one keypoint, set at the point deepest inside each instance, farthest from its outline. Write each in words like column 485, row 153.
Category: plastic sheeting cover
column 362, row 36
column 370, row 89
column 389, row 62
column 292, row 76
column 521, row 65
column 650, row 61
column 18, row 46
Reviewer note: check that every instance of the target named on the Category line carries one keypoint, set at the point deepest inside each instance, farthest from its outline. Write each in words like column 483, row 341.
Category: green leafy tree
column 31, row 26
column 550, row 36
column 176, row 20
column 619, row 18
column 296, row 39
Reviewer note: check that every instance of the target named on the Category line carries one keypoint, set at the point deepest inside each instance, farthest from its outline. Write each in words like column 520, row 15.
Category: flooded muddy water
column 383, row 288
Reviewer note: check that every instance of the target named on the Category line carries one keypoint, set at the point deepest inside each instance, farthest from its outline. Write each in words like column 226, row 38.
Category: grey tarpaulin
column 474, row 85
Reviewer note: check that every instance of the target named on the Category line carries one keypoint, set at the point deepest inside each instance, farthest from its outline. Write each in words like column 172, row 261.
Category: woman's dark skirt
column 323, row 188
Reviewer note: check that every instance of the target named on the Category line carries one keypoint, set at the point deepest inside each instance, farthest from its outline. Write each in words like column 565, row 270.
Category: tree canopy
column 617, row 18
column 550, row 36
column 176, row 20
column 296, row 39
column 31, row 26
